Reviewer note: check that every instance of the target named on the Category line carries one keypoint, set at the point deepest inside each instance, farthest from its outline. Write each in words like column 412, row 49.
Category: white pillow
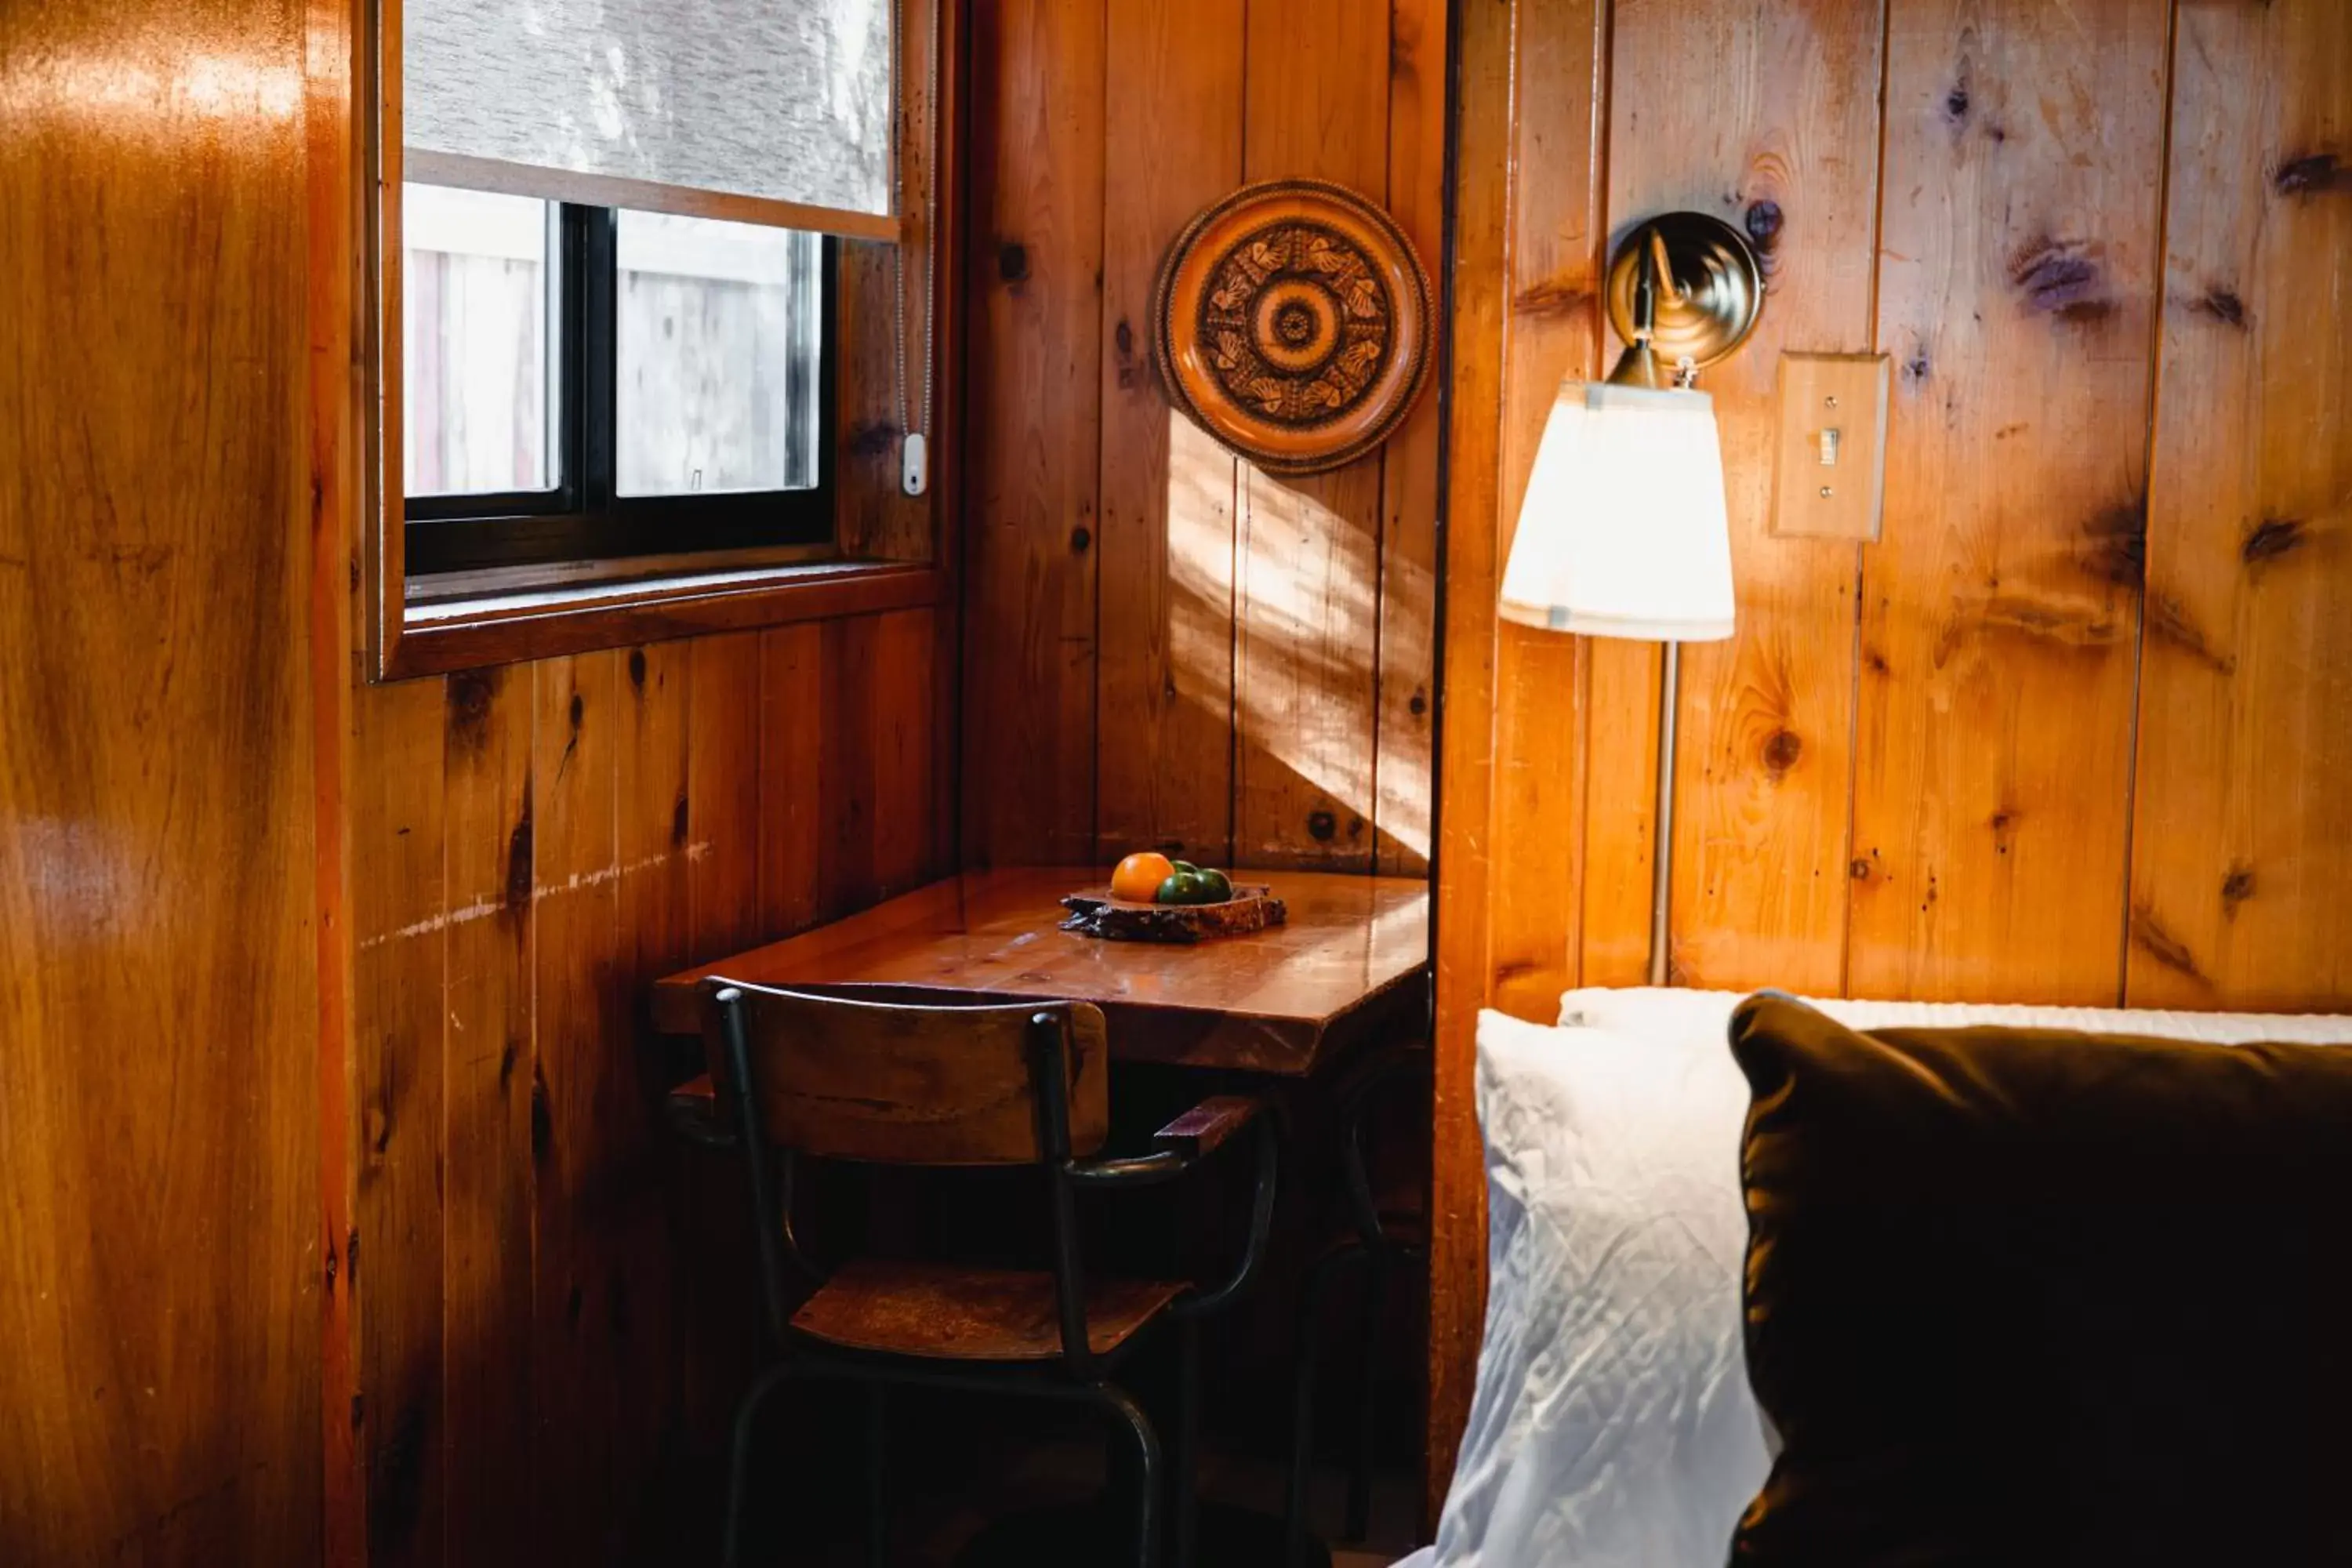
column 1611, row 1425
column 1611, row 1422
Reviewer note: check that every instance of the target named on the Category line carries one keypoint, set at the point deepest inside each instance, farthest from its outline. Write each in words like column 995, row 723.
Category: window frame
column 886, row 551
column 584, row 517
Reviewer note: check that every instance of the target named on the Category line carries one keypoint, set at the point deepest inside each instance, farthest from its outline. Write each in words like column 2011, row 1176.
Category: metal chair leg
column 1148, row 1480
column 1302, row 1401
column 1184, row 1504
column 738, row 1464
column 877, row 1517
column 1360, row 1469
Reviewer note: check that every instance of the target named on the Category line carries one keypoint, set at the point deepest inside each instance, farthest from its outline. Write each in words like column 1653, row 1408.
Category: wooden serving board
column 1095, row 912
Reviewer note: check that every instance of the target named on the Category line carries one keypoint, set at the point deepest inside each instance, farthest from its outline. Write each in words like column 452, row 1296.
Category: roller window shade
column 756, row 110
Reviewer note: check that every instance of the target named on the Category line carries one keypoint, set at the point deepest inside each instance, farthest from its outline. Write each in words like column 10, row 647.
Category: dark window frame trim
column 582, row 518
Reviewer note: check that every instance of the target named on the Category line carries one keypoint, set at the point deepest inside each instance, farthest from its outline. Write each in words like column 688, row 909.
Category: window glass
column 788, row 99
column 721, row 335
column 477, row 353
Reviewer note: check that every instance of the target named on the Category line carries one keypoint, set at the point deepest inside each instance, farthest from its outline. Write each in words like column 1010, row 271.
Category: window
column 633, row 254
column 584, row 383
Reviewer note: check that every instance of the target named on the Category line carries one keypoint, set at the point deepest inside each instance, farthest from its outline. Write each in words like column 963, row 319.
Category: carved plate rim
column 1413, row 313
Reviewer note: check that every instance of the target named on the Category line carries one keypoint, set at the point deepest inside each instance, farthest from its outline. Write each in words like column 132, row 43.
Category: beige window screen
column 759, row 111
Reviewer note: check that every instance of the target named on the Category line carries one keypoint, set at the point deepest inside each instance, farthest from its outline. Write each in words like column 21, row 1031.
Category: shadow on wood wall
column 1165, row 647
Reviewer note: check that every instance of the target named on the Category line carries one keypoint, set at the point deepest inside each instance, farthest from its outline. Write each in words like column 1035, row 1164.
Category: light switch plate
column 1830, row 462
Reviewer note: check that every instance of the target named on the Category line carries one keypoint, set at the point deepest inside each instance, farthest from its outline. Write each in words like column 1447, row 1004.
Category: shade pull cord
column 915, row 448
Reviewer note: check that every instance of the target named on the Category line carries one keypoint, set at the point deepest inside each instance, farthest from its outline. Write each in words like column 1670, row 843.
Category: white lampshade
column 1623, row 532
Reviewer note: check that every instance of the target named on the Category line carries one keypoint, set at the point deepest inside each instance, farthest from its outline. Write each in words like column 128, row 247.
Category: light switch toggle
column 1830, row 462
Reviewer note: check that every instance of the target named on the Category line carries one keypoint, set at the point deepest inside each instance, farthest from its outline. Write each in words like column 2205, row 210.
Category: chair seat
column 952, row 1313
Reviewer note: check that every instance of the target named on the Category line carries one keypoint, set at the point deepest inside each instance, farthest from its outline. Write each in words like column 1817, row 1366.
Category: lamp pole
column 1662, row 853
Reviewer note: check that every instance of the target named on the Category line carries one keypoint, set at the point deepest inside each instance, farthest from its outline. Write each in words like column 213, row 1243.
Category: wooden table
column 1352, row 959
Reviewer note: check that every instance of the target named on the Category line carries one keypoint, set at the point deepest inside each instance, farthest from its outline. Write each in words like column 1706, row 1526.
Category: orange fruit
column 1138, row 877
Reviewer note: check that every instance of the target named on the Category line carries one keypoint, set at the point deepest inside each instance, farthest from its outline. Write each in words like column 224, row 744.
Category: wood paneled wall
column 544, row 1376
column 2079, row 728
column 1166, row 647
column 337, row 1216
column 159, row 936
column 1962, row 763
column 549, row 1320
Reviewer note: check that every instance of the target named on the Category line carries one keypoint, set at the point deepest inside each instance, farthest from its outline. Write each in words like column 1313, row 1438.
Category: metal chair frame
column 1378, row 1251
column 1078, row 1375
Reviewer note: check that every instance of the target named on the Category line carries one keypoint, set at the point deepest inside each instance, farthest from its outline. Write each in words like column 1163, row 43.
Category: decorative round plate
column 1292, row 321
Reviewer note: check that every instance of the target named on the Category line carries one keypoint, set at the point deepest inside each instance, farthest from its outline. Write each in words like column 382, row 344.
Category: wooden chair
column 901, row 1077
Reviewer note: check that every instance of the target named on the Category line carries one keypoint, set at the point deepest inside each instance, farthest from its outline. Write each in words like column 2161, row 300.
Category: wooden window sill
column 484, row 619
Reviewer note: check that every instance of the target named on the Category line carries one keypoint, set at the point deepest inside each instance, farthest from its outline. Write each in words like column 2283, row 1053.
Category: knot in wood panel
column 2114, row 547
column 2223, row 305
column 2270, row 538
column 2148, row 934
column 2062, row 278
column 2315, row 173
column 469, row 694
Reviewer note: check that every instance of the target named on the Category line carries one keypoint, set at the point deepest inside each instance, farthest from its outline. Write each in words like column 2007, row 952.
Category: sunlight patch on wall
column 1309, row 591
column 101, row 92
column 1200, row 565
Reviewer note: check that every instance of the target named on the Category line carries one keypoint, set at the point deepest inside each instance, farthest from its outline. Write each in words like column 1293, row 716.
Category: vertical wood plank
column 849, row 697
column 656, row 824
column 160, row 851
column 400, row 908
column 792, row 742
column 905, row 649
column 1307, row 576
column 719, row 1332
column 1621, row 785
column 722, row 783
column 1164, row 739
column 1999, row 616
column 577, row 715
column 487, row 1167
column 873, row 779
column 338, row 200
column 635, row 1159
column 2242, row 878
column 1405, row 667
column 1767, row 116
column 1553, row 327
column 1034, row 439
column 1478, row 293
column 1542, row 697
column 956, row 163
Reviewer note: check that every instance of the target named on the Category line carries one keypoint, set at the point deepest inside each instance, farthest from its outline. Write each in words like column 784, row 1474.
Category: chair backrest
column 897, row 1076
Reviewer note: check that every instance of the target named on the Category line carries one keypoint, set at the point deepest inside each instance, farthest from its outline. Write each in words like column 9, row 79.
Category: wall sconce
column 1624, row 532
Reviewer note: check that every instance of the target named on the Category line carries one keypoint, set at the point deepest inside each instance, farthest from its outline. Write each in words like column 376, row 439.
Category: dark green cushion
column 2025, row 1297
